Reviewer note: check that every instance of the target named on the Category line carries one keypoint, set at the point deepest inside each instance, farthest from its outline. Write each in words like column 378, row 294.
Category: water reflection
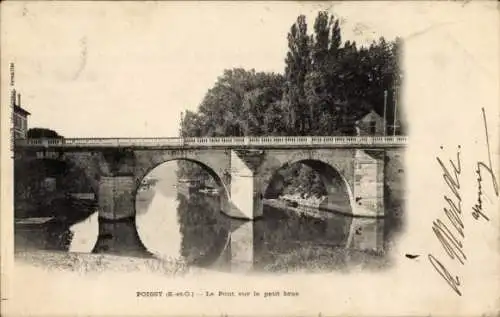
column 190, row 228
column 84, row 234
column 293, row 239
column 57, row 233
column 174, row 227
column 366, row 234
column 158, row 228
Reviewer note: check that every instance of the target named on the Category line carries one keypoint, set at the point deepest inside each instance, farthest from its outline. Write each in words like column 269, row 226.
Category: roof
column 354, row 117
column 21, row 110
column 361, row 116
column 363, row 109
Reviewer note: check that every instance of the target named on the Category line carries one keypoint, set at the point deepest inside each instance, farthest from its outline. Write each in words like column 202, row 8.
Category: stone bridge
column 246, row 168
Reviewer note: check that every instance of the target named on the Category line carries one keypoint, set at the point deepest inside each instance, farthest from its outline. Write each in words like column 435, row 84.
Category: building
column 370, row 124
column 20, row 117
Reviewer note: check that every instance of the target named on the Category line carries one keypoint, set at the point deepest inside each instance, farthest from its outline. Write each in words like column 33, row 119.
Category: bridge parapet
column 229, row 142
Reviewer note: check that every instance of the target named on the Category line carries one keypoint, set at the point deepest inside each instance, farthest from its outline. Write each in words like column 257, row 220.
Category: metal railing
column 217, row 141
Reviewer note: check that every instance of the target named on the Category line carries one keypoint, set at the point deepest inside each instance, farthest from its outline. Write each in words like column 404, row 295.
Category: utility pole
column 395, row 110
column 385, row 112
column 182, row 121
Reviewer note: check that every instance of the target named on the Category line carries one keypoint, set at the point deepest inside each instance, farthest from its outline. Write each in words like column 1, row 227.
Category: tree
column 226, row 107
column 316, row 80
column 35, row 133
column 255, row 107
column 298, row 62
column 191, row 125
column 326, row 85
column 235, row 106
column 322, row 79
column 274, row 122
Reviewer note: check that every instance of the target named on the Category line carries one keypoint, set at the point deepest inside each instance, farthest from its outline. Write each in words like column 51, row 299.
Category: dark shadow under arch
column 338, row 191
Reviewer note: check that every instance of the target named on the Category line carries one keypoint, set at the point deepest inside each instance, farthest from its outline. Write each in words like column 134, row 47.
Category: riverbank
column 305, row 210
column 94, row 263
column 320, row 207
column 308, row 206
column 310, row 201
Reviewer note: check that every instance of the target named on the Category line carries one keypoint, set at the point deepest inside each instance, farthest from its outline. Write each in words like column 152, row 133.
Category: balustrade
column 218, row 141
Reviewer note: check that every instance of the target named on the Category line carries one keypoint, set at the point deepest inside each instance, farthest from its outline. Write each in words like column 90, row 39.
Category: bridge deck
column 224, row 142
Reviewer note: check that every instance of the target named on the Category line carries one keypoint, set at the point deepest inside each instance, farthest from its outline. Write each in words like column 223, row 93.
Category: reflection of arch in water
column 339, row 194
column 223, row 190
column 157, row 228
column 205, row 230
column 283, row 238
column 198, row 217
column 189, row 230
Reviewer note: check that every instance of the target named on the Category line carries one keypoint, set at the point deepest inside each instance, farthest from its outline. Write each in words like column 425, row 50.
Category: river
column 192, row 229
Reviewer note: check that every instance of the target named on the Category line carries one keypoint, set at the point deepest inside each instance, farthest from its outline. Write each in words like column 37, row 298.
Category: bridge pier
column 116, row 197
column 369, row 183
column 246, row 198
column 117, row 229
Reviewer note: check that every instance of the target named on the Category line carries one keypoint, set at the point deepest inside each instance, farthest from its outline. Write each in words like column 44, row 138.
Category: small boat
column 209, row 191
column 145, row 194
column 146, row 190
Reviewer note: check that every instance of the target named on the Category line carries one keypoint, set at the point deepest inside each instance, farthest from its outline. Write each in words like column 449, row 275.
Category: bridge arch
column 143, row 172
column 335, row 172
column 216, row 163
column 177, row 227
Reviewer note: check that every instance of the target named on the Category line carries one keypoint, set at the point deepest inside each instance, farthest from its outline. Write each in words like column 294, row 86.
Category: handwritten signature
column 478, row 206
column 451, row 240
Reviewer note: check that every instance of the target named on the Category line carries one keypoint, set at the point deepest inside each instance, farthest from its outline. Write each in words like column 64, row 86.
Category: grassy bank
column 311, row 257
column 89, row 262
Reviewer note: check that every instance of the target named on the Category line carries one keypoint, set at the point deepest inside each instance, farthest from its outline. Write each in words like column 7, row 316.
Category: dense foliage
column 42, row 186
column 35, row 133
column 327, row 84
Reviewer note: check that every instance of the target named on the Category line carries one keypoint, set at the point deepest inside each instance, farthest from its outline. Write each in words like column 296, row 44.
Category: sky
column 98, row 69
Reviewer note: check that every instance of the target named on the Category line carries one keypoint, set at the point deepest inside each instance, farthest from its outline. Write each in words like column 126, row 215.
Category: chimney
column 19, row 100
column 13, row 97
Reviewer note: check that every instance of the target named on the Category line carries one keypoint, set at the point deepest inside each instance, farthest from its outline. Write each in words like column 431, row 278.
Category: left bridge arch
column 129, row 167
column 216, row 162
